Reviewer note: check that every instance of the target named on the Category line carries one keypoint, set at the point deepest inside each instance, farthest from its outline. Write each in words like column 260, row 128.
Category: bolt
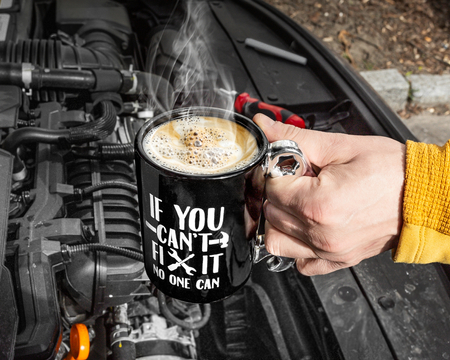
column 347, row 293
column 386, row 302
column 272, row 97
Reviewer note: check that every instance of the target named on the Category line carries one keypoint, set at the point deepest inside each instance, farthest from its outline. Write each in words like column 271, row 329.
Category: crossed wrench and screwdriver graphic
column 189, row 269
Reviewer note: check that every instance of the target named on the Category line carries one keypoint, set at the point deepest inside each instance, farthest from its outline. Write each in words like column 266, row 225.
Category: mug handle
column 283, row 157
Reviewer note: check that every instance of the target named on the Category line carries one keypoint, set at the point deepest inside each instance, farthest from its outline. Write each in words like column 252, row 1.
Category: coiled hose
column 80, row 194
column 106, row 152
column 117, row 152
column 183, row 323
column 95, row 130
column 89, row 190
column 69, row 250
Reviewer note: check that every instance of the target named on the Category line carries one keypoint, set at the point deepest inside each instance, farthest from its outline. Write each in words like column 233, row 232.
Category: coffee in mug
column 201, row 145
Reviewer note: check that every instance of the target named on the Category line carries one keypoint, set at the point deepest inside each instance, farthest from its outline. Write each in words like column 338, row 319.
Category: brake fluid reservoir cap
column 79, row 342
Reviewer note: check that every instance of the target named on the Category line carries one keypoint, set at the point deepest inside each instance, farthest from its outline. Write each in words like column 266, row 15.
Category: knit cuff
column 422, row 245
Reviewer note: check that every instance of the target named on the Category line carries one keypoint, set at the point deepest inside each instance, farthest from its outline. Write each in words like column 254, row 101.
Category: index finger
column 320, row 148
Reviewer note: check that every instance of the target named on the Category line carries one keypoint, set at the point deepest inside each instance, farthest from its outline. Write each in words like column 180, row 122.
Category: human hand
column 351, row 211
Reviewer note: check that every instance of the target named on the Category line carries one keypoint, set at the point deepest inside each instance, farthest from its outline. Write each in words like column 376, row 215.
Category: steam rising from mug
column 183, row 56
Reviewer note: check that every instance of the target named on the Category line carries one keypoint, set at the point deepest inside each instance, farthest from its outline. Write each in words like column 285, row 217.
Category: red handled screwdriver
column 248, row 106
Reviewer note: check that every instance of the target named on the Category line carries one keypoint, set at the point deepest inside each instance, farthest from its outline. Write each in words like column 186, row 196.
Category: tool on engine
column 325, row 121
column 272, row 50
column 248, row 106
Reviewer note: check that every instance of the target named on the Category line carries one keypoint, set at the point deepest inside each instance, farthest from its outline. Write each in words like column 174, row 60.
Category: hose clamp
column 27, row 77
column 121, row 332
column 130, row 82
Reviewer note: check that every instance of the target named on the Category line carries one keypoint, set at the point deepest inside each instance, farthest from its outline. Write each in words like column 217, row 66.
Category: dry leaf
column 343, row 38
column 315, row 17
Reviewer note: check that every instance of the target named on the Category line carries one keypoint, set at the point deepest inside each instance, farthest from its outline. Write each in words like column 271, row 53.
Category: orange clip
column 79, row 343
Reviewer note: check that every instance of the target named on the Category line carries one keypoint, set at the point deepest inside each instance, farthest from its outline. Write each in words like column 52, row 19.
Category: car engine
column 77, row 81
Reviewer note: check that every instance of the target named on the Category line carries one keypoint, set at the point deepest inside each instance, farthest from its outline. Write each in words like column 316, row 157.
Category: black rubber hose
column 97, row 80
column 97, row 129
column 123, row 350
column 82, row 248
column 33, row 135
column 106, row 152
column 120, row 152
column 109, row 185
column 183, row 323
column 37, row 78
column 93, row 131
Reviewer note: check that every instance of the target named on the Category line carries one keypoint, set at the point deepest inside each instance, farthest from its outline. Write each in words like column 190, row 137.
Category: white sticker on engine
column 4, row 21
column 6, row 4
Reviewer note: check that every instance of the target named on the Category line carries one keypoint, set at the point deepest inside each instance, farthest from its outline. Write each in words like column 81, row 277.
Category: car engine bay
column 77, row 81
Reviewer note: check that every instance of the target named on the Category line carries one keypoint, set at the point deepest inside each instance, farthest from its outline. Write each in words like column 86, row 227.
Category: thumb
column 275, row 130
column 314, row 144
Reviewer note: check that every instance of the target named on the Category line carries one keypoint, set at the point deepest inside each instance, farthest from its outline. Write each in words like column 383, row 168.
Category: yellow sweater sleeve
column 425, row 235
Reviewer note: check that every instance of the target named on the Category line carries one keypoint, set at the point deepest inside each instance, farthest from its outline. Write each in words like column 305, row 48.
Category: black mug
column 200, row 231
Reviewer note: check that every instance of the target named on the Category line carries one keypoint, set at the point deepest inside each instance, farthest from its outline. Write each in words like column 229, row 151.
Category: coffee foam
column 201, row 145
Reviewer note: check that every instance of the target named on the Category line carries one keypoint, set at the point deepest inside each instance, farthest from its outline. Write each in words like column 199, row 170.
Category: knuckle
column 324, row 243
column 326, row 213
column 344, row 260
column 272, row 247
column 302, row 267
column 311, row 267
column 332, row 246
column 289, row 131
column 324, row 231
column 314, row 213
column 276, row 192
